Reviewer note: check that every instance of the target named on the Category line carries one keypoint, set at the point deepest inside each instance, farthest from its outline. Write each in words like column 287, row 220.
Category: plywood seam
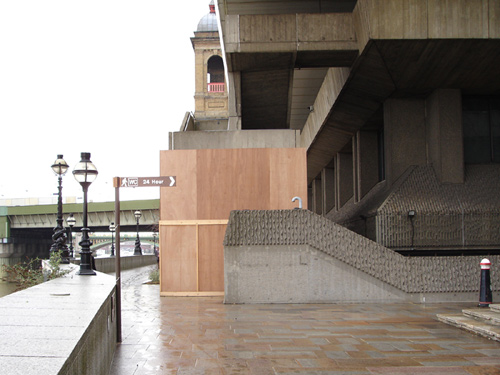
column 192, row 222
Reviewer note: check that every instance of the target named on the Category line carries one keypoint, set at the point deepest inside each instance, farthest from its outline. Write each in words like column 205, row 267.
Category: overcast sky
column 109, row 77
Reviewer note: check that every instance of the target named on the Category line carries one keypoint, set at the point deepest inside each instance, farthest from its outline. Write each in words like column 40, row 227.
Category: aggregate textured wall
column 253, row 235
column 453, row 215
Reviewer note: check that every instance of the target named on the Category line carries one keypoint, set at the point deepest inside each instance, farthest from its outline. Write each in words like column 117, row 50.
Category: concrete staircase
column 482, row 321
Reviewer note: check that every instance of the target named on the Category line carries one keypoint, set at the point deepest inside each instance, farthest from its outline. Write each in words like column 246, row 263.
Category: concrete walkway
column 164, row 335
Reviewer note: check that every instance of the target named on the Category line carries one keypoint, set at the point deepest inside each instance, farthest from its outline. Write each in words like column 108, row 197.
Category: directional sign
column 162, row 181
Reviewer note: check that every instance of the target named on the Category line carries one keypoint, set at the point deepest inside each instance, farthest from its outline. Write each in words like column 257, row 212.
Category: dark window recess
column 481, row 127
column 216, row 69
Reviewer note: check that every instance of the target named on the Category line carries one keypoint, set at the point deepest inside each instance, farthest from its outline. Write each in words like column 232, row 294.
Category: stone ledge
column 471, row 325
column 63, row 326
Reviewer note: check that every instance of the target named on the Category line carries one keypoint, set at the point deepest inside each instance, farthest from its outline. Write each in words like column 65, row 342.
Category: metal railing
column 216, row 87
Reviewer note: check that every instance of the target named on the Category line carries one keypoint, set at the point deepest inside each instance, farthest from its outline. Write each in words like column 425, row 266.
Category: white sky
column 109, row 77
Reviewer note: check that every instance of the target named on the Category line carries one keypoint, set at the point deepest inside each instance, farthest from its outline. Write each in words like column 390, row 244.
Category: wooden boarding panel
column 179, row 202
column 179, row 265
column 210, row 183
column 232, row 179
column 211, row 257
column 287, row 171
column 213, row 182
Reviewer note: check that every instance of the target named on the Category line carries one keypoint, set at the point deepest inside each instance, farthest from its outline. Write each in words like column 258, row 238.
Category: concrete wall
column 405, row 138
column 295, row 256
column 297, row 274
column 64, row 326
column 107, row 264
column 445, row 135
column 233, row 139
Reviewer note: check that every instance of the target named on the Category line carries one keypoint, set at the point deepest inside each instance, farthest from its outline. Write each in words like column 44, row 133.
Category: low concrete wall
column 107, row 264
column 63, row 326
column 298, row 274
column 296, row 256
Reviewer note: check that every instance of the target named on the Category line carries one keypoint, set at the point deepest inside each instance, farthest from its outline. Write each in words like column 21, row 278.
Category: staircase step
column 495, row 307
column 487, row 315
column 472, row 325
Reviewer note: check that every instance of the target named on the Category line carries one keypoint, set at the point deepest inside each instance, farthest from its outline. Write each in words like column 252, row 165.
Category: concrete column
column 310, row 198
column 365, row 160
column 317, row 197
column 328, row 188
column 234, row 100
column 404, row 132
column 444, row 135
column 344, row 178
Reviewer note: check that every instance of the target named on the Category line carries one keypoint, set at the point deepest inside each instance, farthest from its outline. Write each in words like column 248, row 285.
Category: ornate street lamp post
column 60, row 167
column 71, row 221
column 154, row 248
column 137, row 250
column 112, row 228
column 85, row 173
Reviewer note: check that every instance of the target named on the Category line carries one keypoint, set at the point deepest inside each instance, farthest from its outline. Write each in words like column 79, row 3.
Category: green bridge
column 27, row 230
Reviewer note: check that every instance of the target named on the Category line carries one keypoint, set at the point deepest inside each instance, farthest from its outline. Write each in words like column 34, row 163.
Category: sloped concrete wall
column 297, row 274
column 267, row 258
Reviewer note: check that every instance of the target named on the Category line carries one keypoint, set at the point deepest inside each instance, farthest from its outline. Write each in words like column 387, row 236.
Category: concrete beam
column 289, row 33
column 235, row 139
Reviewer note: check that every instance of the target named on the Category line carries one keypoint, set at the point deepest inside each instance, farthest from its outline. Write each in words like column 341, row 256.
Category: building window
column 481, row 127
column 215, row 74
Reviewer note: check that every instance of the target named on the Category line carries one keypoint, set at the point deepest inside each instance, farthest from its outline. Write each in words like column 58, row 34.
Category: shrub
column 30, row 273
column 154, row 276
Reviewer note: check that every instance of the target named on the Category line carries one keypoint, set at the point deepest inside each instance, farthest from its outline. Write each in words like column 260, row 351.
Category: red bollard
column 485, row 288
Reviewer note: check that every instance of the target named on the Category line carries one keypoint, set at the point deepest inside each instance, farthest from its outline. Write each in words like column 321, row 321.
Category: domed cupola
column 209, row 22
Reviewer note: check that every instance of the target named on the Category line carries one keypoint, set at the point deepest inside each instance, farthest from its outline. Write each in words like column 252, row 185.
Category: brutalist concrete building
column 397, row 104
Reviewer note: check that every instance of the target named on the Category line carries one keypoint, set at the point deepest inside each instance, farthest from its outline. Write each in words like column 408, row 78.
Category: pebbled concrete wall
column 297, row 256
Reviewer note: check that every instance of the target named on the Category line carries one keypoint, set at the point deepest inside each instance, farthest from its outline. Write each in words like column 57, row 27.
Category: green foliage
column 154, row 276
column 30, row 273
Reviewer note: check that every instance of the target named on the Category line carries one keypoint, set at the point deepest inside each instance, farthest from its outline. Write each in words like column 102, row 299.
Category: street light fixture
column 112, row 228
column 137, row 250
column 60, row 167
column 85, row 173
column 71, row 221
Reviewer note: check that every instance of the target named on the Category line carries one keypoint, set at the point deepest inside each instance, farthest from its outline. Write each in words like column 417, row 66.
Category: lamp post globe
column 71, row 221
column 112, row 228
column 60, row 167
column 137, row 249
column 85, row 173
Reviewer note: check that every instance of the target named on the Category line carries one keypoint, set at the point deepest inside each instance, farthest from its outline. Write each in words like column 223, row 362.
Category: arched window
column 215, row 74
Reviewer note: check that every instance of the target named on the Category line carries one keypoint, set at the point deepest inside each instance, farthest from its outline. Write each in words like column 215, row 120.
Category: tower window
column 215, row 74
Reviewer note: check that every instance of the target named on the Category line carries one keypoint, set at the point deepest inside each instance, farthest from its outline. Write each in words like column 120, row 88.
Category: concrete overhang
column 266, row 50
column 379, row 52
column 394, row 69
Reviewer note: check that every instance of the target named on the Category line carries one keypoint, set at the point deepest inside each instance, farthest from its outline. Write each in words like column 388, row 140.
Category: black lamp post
column 60, row 167
column 154, row 248
column 137, row 250
column 71, row 221
column 112, row 228
column 85, row 173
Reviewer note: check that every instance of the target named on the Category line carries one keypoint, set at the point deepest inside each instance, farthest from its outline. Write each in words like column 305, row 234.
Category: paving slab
column 202, row 335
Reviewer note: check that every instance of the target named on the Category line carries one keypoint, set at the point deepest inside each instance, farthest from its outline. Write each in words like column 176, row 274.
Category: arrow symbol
column 172, row 181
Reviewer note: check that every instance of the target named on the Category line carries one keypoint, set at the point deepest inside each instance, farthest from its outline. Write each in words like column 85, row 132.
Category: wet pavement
column 201, row 335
